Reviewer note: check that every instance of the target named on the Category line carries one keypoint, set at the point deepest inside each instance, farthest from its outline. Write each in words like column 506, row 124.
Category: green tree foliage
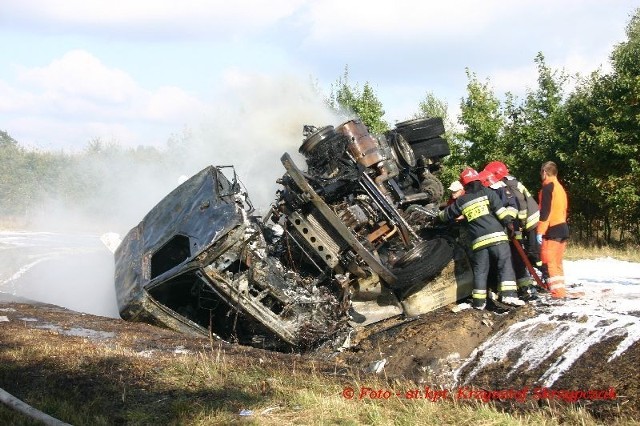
column 624, row 105
column 350, row 99
column 431, row 106
column 27, row 178
column 592, row 134
column 6, row 140
column 602, row 122
column 483, row 121
column 531, row 134
column 520, row 134
column 90, row 182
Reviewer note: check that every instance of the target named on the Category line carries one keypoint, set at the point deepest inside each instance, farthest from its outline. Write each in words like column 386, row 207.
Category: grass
column 577, row 251
column 81, row 382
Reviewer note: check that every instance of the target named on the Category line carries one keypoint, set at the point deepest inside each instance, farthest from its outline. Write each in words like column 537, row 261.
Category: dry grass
column 83, row 382
column 577, row 251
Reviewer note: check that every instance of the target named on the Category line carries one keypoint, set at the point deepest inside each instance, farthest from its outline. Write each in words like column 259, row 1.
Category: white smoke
column 250, row 126
column 260, row 119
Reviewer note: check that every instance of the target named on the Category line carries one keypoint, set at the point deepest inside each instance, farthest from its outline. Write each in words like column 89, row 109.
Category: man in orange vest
column 552, row 231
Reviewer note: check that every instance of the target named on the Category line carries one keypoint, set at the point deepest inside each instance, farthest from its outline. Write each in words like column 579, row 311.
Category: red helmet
column 468, row 175
column 487, row 178
column 498, row 168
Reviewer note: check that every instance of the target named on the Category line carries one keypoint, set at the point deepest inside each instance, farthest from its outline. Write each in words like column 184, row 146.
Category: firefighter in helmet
column 486, row 219
column 525, row 226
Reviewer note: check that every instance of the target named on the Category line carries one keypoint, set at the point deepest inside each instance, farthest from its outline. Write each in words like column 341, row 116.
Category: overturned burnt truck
column 350, row 240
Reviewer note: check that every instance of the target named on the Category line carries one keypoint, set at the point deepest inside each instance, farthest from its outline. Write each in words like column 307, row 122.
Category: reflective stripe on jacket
column 528, row 213
column 484, row 213
column 507, row 197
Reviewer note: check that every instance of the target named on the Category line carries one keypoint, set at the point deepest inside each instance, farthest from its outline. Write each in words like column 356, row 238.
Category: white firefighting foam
column 608, row 309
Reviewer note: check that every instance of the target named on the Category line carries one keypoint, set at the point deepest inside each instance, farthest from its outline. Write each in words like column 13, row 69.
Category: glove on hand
column 539, row 238
column 510, row 231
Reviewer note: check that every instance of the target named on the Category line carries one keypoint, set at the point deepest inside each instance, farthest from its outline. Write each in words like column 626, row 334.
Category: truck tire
column 421, row 265
column 403, row 151
column 420, row 129
column 432, row 185
column 434, row 147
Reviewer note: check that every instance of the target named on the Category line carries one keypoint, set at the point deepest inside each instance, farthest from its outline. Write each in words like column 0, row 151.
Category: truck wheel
column 432, row 185
column 435, row 147
column 403, row 151
column 421, row 264
column 420, row 129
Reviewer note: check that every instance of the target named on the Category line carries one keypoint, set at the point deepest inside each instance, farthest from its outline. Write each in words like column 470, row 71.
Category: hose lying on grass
column 26, row 409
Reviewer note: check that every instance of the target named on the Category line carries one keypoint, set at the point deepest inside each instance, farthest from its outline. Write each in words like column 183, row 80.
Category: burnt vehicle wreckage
column 350, row 241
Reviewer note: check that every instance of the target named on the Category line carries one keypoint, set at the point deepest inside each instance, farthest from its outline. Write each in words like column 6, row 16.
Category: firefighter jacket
column 528, row 213
column 485, row 215
column 507, row 197
column 553, row 210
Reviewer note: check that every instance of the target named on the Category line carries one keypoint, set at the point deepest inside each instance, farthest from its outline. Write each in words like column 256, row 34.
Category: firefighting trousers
column 482, row 259
column 551, row 254
column 523, row 278
column 531, row 246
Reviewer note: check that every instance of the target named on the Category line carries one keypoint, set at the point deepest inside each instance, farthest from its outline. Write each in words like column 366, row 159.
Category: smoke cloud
column 262, row 119
column 252, row 123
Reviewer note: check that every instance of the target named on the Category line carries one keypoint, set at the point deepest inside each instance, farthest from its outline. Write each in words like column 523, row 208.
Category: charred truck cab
column 349, row 241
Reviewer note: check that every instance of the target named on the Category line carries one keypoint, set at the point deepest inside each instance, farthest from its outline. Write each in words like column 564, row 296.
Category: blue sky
column 140, row 71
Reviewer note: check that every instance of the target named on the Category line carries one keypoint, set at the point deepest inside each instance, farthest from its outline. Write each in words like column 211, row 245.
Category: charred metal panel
column 317, row 201
column 344, row 243
column 318, row 240
column 195, row 212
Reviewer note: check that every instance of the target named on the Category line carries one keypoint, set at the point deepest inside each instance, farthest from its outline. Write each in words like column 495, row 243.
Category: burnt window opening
column 268, row 300
column 273, row 304
column 235, row 267
column 190, row 296
column 173, row 253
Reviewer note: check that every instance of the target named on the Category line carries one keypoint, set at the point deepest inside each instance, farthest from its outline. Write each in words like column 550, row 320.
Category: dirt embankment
column 444, row 350
column 429, row 350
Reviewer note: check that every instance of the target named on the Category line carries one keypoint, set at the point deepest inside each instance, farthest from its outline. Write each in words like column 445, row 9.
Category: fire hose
column 527, row 263
column 26, row 409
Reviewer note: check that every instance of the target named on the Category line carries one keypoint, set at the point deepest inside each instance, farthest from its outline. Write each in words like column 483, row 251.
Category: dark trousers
column 500, row 255
column 531, row 246
column 523, row 278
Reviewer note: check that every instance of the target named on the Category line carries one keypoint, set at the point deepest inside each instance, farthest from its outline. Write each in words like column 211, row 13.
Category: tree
column 482, row 121
column 602, row 124
column 348, row 99
column 6, row 139
column 531, row 134
column 431, row 106
column 624, row 113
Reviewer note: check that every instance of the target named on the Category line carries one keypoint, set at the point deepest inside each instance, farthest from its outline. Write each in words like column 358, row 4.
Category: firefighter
column 505, row 193
column 456, row 189
column 508, row 200
column 486, row 218
column 552, row 230
column 525, row 226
